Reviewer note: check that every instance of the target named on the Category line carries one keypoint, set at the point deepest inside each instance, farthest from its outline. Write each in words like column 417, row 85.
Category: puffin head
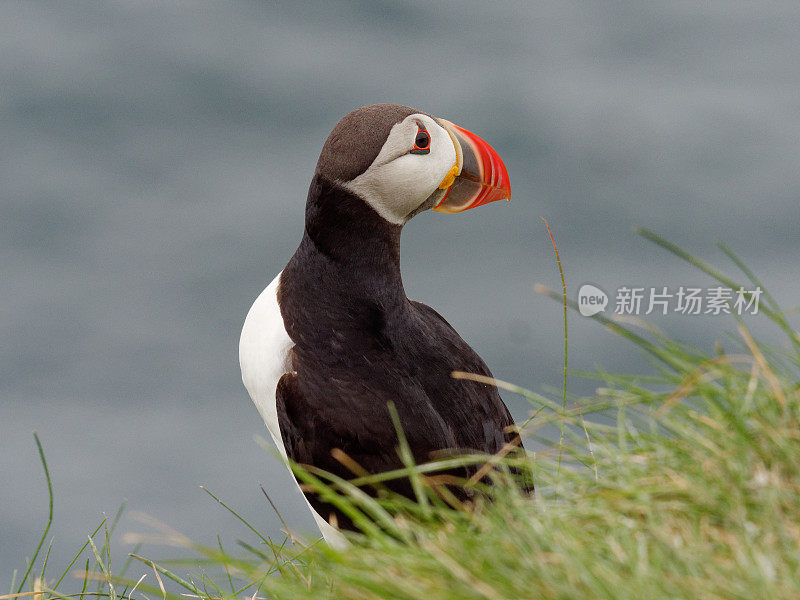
column 401, row 161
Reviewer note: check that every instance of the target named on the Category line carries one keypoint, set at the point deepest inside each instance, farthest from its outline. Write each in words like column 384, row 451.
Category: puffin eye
column 422, row 143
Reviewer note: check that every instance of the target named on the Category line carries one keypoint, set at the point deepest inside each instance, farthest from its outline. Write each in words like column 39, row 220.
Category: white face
column 401, row 179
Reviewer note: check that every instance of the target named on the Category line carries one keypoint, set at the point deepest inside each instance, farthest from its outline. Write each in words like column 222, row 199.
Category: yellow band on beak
column 455, row 171
column 449, row 178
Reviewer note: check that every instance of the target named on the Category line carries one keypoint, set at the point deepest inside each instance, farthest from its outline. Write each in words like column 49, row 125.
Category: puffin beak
column 478, row 177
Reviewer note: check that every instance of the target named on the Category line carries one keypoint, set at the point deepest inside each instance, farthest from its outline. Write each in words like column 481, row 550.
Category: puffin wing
column 479, row 415
column 482, row 420
column 362, row 428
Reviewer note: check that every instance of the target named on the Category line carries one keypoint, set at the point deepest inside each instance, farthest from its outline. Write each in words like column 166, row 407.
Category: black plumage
column 360, row 343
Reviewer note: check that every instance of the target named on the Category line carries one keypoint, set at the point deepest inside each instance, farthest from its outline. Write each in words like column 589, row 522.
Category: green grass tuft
column 685, row 484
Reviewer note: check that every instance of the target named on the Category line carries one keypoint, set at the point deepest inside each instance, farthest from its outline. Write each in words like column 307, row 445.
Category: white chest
column 264, row 348
column 264, row 356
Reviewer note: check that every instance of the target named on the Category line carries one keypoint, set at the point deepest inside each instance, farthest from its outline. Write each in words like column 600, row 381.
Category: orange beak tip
column 482, row 178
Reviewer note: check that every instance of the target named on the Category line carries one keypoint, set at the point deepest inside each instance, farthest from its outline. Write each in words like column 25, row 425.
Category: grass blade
column 49, row 514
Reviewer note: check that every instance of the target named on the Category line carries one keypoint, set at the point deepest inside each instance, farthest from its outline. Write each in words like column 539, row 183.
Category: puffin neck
column 351, row 238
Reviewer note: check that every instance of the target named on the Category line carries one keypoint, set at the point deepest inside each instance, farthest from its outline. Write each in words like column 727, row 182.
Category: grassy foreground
column 685, row 484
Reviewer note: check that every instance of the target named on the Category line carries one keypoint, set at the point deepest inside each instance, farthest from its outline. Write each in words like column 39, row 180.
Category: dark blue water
column 154, row 163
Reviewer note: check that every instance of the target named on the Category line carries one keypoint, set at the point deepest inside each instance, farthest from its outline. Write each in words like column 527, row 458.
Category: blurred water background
column 154, row 162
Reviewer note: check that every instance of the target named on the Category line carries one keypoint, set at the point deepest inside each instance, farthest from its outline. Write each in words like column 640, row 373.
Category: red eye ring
column 422, row 141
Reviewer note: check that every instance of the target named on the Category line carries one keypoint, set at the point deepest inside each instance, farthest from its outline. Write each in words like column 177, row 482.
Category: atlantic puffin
column 333, row 339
